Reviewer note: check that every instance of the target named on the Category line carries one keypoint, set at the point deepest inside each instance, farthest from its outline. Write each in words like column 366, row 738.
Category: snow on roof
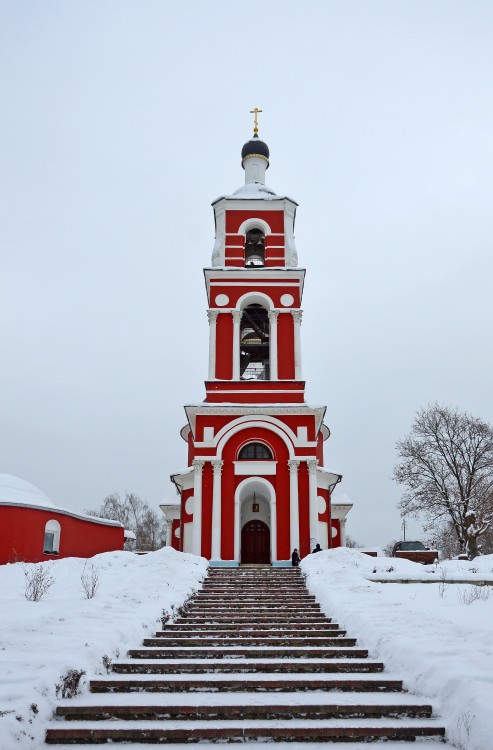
column 128, row 534
column 16, row 490
column 340, row 498
column 255, row 190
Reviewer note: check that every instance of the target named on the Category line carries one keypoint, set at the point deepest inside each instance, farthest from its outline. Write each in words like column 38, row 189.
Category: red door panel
column 255, row 543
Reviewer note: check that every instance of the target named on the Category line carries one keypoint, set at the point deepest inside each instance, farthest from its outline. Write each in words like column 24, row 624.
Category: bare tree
column 446, row 466
column 136, row 515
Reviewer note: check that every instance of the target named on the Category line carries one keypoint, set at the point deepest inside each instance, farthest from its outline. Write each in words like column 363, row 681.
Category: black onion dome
column 255, row 147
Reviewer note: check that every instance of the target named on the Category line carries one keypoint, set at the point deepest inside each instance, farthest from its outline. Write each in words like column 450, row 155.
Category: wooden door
column 255, row 543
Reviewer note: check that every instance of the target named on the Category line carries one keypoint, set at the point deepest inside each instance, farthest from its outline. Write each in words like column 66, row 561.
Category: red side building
column 32, row 529
column 256, row 486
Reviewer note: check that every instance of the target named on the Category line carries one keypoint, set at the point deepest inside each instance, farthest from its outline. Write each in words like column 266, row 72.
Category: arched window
column 254, row 344
column 254, row 248
column 51, row 544
column 255, row 452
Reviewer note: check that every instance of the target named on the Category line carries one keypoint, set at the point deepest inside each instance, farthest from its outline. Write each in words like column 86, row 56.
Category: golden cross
column 255, row 122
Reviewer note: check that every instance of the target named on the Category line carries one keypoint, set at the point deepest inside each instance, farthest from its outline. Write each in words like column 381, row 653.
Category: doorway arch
column 255, row 543
column 258, row 491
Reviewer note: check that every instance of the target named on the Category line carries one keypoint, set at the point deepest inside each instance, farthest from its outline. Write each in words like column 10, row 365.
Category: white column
column 273, row 529
column 313, row 500
column 237, row 530
column 273, row 314
column 297, row 315
column 217, row 467
column 237, row 316
column 294, row 514
column 212, row 318
column 169, row 537
column 343, row 532
column 198, row 465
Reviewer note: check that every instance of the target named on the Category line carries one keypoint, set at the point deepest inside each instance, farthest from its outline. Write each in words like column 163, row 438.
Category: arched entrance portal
column 255, row 543
column 255, row 501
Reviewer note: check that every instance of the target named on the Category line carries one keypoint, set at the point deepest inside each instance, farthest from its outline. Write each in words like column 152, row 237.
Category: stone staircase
column 251, row 659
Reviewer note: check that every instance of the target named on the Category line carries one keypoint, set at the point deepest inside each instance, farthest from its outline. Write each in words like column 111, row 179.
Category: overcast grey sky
column 120, row 123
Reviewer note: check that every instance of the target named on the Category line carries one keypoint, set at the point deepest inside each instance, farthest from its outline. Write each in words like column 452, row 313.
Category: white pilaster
column 313, row 502
column 237, row 316
column 273, row 529
column 237, row 530
column 294, row 519
column 198, row 465
column 273, row 315
column 169, row 537
column 297, row 315
column 343, row 532
column 217, row 467
column 212, row 318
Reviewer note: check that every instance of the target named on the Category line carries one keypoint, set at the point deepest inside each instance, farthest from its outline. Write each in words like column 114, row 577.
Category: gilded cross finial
column 255, row 112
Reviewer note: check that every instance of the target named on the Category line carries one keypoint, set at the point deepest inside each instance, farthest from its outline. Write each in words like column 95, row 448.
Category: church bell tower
column 256, row 486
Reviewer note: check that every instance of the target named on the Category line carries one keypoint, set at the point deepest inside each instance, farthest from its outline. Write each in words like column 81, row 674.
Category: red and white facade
column 255, row 487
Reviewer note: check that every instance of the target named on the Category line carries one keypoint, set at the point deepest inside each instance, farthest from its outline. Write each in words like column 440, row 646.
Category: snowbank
column 41, row 641
column 441, row 645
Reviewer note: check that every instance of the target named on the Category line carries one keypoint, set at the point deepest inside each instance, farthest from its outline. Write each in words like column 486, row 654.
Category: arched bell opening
column 254, row 248
column 254, row 343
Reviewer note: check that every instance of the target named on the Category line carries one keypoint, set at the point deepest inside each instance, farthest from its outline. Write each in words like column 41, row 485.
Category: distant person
column 318, row 548
column 295, row 558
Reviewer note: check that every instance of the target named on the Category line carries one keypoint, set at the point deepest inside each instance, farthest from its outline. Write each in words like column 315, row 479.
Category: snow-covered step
column 152, row 711
column 421, row 743
column 295, row 699
column 245, row 730
column 234, row 683
column 252, row 652
column 272, row 640
column 202, row 666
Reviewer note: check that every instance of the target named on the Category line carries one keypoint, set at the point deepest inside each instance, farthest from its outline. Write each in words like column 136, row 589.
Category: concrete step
column 268, row 652
column 227, row 619
column 183, row 631
column 273, row 641
column 257, row 684
column 214, row 712
column 330, row 730
column 420, row 744
column 242, row 666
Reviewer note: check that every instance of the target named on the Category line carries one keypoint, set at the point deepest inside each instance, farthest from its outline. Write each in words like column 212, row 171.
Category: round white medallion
column 189, row 505
column 221, row 300
column 286, row 300
column 334, row 531
column 178, row 532
column 322, row 505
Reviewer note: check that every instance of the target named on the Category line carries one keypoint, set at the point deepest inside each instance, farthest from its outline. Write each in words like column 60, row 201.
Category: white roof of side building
column 16, row 491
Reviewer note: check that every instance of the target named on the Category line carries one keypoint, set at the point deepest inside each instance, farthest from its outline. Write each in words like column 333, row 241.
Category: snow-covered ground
column 41, row 641
column 439, row 638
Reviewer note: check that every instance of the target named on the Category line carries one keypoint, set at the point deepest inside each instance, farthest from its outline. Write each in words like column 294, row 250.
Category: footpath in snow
column 40, row 642
column 438, row 637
